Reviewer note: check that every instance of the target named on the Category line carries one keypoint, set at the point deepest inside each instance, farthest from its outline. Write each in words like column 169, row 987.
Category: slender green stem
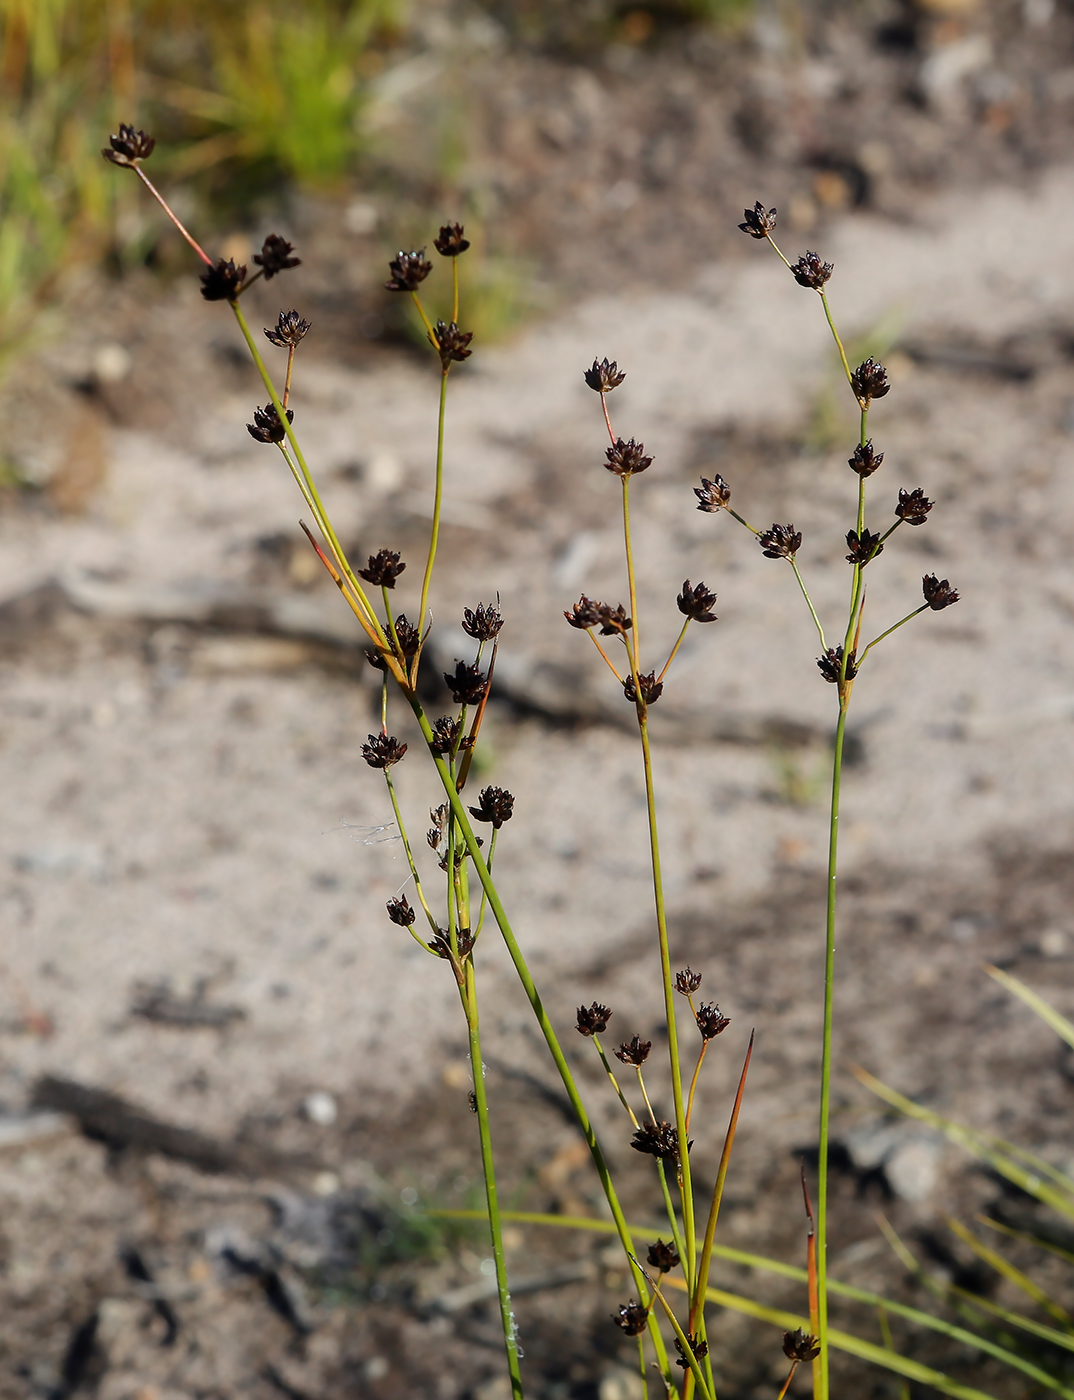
column 735, row 516
column 838, row 342
column 507, row 1316
column 411, row 862
column 641, row 1366
column 148, row 183
column 455, row 290
column 287, row 378
column 684, row 1343
column 425, row 320
column 603, row 653
column 434, row 536
column 895, row 628
column 644, row 1093
column 777, row 249
column 674, row 649
column 693, row 1082
column 615, row 1082
column 484, row 896
column 384, row 705
column 634, row 645
column 826, row 1060
column 669, row 1208
column 390, row 620
column 809, row 602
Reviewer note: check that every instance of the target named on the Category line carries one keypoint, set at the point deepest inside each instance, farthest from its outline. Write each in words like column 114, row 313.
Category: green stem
column 809, row 603
column 410, row 861
column 839, row 343
column 895, row 628
column 615, row 1083
column 669, row 1207
column 484, row 896
column 434, row 536
column 633, row 646
column 507, row 1317
column 674, row 650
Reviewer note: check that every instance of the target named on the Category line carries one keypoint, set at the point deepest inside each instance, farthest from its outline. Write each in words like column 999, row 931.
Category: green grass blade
column 1027, row 1238
column 1007, row 1270
column 1047, row 1013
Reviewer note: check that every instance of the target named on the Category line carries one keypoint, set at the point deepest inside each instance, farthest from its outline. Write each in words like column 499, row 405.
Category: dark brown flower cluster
column 687, row 981
column 662, row 1257
column 445, row 735
column 627, row 458
column 831, row 664
column 651, row 689
column 223, row 281
column 435, row 834
column 865, row 461
column 711, row 1022
column 613, row 620
column 288, row 331
column 800, row 1346
column 863, row 547
column 759, row 222
column 452, row 343
column 495, row 805
column 376, row 659
column 383, row 568
column 593, row 1020
column 634, row 1051
column 482, row 623
column 129, row 146
column 266, row 426
column 696, row 603
column 584, row 614
column 449, row 242
column 810, row 271
column 604, row 376
column 400, row 912
column 467, row 684
column 699, row 1348
column 408, row 271
column 658, row 1140
column 869, row 381
column 275, row 256
column 711, row 495
column 382, row 750
column 441, row 943
column 780, row 541
column 938, row 592
column 632, row 1318
column 914, row 506
column 407, row 636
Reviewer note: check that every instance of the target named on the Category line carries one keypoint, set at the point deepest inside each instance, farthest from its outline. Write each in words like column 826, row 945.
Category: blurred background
column 230, row 1088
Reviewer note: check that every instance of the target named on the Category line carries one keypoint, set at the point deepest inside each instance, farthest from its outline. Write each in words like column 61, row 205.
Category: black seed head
column 914, row 506
column 128, row 146
column 376, row 659
column 831, row 664
column 223, row 281
column 613, row 620
column 711, row 495
column 687, row 981
column 651, row 689
column 759, row 222
column 593, row 1020
column 383, row 568
column 865, row 461
column 800, row 1346
column 632, row 1318
column 696, row 603
column 938, row 592
column 435, row 834
column 400, row 912
column 634, row 1051
column 452, row 343
column 441, row 943
column 449, row 242
column 382, row 750
column 780, row 541
column 408, row 636
column 869, row 381
column 662, row 1257
column 627, row 458
column 699, row 1348
column 658, row 1140
column 275, row 256
column 495, row 805
column 289, row 329
column 584, row 614
column 266, row 426
column 604, row 376
column 482, row 623
column 810, row 271
column 710, row 1022
column 467, row 685
column 863, row 547
column 445, row 734
column 408, row 271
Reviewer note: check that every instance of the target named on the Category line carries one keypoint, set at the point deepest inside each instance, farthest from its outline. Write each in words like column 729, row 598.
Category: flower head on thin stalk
column 494, row 805
column 658, row 1140
column 584, row 614
column 662, row 1257
column 482, row 623
column 810, row 271
column 129, row 146
column 266, row 426
column 780, row 541
column 275, row 256
column 435, row 834
column 869, row 381
column 687, row 981
column 938, row 592
column 759, row 221
column 449, row 242
column 613, row 620
column 452, row 343
column 800, row 1346
column 651, row 689
column 699, row 1348
column 632, row 1318
column 408, row 636
column 382, row 750
column 865, row 461
column 831, row 664
column 712, row 495
column 223, row 281
column 289, row 329
column 863, row 547
column 467, row 684
column 696, row 603
column 627, row 458
column 634, row 1051
column 445, row 735
column 593, row 1020
column 913, row 506
column 711, row 1022
column 604, row 375
column 401, row 912
column 383, row 568
column 408, row 271
column 441, row 943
